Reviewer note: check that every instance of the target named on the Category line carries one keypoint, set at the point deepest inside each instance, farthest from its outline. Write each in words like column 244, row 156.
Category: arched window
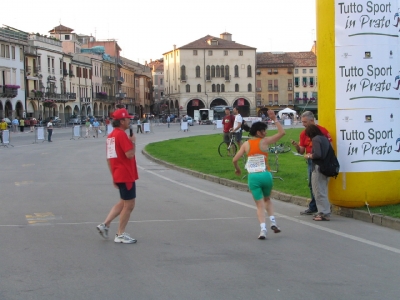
column 183, row 72
column 226, row 71
column 187, row 88
column 218, row 74
column 236, row 87
column 218, row 88
column 249, row 87
column 236, row 71
column 222, row 88
column 222, row 71
column 208, row 72
column 213, row 88
column 249, row 71
column 198, row 71
column 199, row 88
column 212, row 71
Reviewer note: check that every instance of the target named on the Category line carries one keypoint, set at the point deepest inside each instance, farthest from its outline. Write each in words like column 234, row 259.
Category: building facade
column 209, row 72
column 12, row 73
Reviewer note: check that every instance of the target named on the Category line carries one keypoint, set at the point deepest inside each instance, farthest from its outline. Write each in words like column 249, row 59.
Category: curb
column 360, row 215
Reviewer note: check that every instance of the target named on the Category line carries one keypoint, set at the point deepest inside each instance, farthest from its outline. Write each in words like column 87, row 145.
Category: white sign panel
column 219, row 123
column 146, row 127
column 367, row 76
column 363, row 22
column 184, row 126
column 77, row 131
column 40, row 133
column 6, row 136
column 368, row 140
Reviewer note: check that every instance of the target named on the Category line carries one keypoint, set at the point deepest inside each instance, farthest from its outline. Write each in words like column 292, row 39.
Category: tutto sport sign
column 367, row 85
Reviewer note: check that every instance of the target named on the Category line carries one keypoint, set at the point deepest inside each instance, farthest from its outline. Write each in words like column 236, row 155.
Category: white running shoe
column 124, row 238
column 263, row 234
column 275, row 228
column 103, row 230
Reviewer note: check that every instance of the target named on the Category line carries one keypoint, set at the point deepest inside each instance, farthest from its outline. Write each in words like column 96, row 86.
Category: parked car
column 189, row 120
column 74, row 119
column 56, row 121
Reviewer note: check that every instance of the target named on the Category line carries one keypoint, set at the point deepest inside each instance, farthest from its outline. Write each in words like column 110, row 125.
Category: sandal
column 321, row 217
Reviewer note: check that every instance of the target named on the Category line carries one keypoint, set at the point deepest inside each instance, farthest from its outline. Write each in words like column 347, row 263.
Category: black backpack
column 329, row 166
column 244, row 126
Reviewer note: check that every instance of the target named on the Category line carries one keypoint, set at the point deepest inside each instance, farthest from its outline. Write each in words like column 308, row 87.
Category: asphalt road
column 196, row 239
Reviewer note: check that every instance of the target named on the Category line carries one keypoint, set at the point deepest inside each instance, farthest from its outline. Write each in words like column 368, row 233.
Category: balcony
column 227, row 78
column 35, row 94
column 258, row 89
column 119, row 62
column 71, row 73
column 101, row 95
column 37, row 69
column 120, row 96
column 183, row 78
column 208, row 78
column 28, row 70
column 270, row 88
column 276, row 102
column 65, row 72
column 85, row 101
column 290, row 88
column 30, row 51
column 270, row 102
column 108, row 79
column 110, row 99
column 120, row 79
column 9, row 92
column 71, row 96
column 275, row 87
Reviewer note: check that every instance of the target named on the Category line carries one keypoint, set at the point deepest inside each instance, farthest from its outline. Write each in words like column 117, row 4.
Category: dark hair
column 312, row 131
column 227, row 108
column 257, row 126
column 116, row 123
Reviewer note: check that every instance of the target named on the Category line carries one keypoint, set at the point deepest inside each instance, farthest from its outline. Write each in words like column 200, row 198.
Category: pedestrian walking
column 121, row 161
column 33, row 123
column 49, row 130
column 96, row 126
column 304, row 146
column 168, row 121
column 15, row 124
column 260, row 180
column 139, row 126
column 22, row 125
column 3, row 126
column 87, row 127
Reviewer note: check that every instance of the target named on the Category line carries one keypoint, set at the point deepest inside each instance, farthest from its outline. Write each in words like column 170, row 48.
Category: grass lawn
column 200, row 153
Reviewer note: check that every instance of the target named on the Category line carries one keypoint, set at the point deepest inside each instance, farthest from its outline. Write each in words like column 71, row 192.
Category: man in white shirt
column 237, row 126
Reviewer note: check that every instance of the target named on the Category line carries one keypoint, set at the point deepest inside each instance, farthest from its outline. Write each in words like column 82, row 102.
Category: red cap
column 121, row 113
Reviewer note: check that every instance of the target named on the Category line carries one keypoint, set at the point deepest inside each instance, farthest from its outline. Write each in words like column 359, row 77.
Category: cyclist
column 237, row 126
column 260, row 179
column 227, row 121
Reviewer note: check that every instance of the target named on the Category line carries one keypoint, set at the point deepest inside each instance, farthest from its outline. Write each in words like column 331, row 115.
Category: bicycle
column 281, row 148
column 230, row 149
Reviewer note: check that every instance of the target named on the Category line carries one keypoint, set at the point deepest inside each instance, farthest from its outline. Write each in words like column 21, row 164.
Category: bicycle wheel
column 284, row 147
column 224, row 150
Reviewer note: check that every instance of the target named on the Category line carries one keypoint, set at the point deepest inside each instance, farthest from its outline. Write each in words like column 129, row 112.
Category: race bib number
column 111, row 153
column 256, row 163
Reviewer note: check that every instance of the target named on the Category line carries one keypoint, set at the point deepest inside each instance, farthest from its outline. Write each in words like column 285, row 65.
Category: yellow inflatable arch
column 359, row 98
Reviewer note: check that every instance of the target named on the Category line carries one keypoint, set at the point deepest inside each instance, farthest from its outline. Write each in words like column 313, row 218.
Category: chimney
column 226, row 36
column 174, row 47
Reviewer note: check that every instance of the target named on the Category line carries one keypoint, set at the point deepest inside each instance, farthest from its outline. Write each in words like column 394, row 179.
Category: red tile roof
column 222, row 44
column 61, row 28
column 286, row 59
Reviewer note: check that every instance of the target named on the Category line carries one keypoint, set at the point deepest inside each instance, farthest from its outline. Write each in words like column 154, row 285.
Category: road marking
column 41, row 217
column 23, row 183
column 339, row 233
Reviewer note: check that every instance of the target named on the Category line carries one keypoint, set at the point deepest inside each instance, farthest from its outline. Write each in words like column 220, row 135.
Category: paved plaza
column 196, row 239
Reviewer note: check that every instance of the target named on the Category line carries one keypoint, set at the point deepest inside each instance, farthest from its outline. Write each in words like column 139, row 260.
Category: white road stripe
column 342, row 234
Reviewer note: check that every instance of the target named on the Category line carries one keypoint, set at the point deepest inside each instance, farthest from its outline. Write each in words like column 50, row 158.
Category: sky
column 145, row 30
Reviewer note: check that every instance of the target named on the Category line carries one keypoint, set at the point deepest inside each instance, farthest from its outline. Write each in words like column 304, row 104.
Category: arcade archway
column 243, row 106
column 218, row 102
column 194, row 104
